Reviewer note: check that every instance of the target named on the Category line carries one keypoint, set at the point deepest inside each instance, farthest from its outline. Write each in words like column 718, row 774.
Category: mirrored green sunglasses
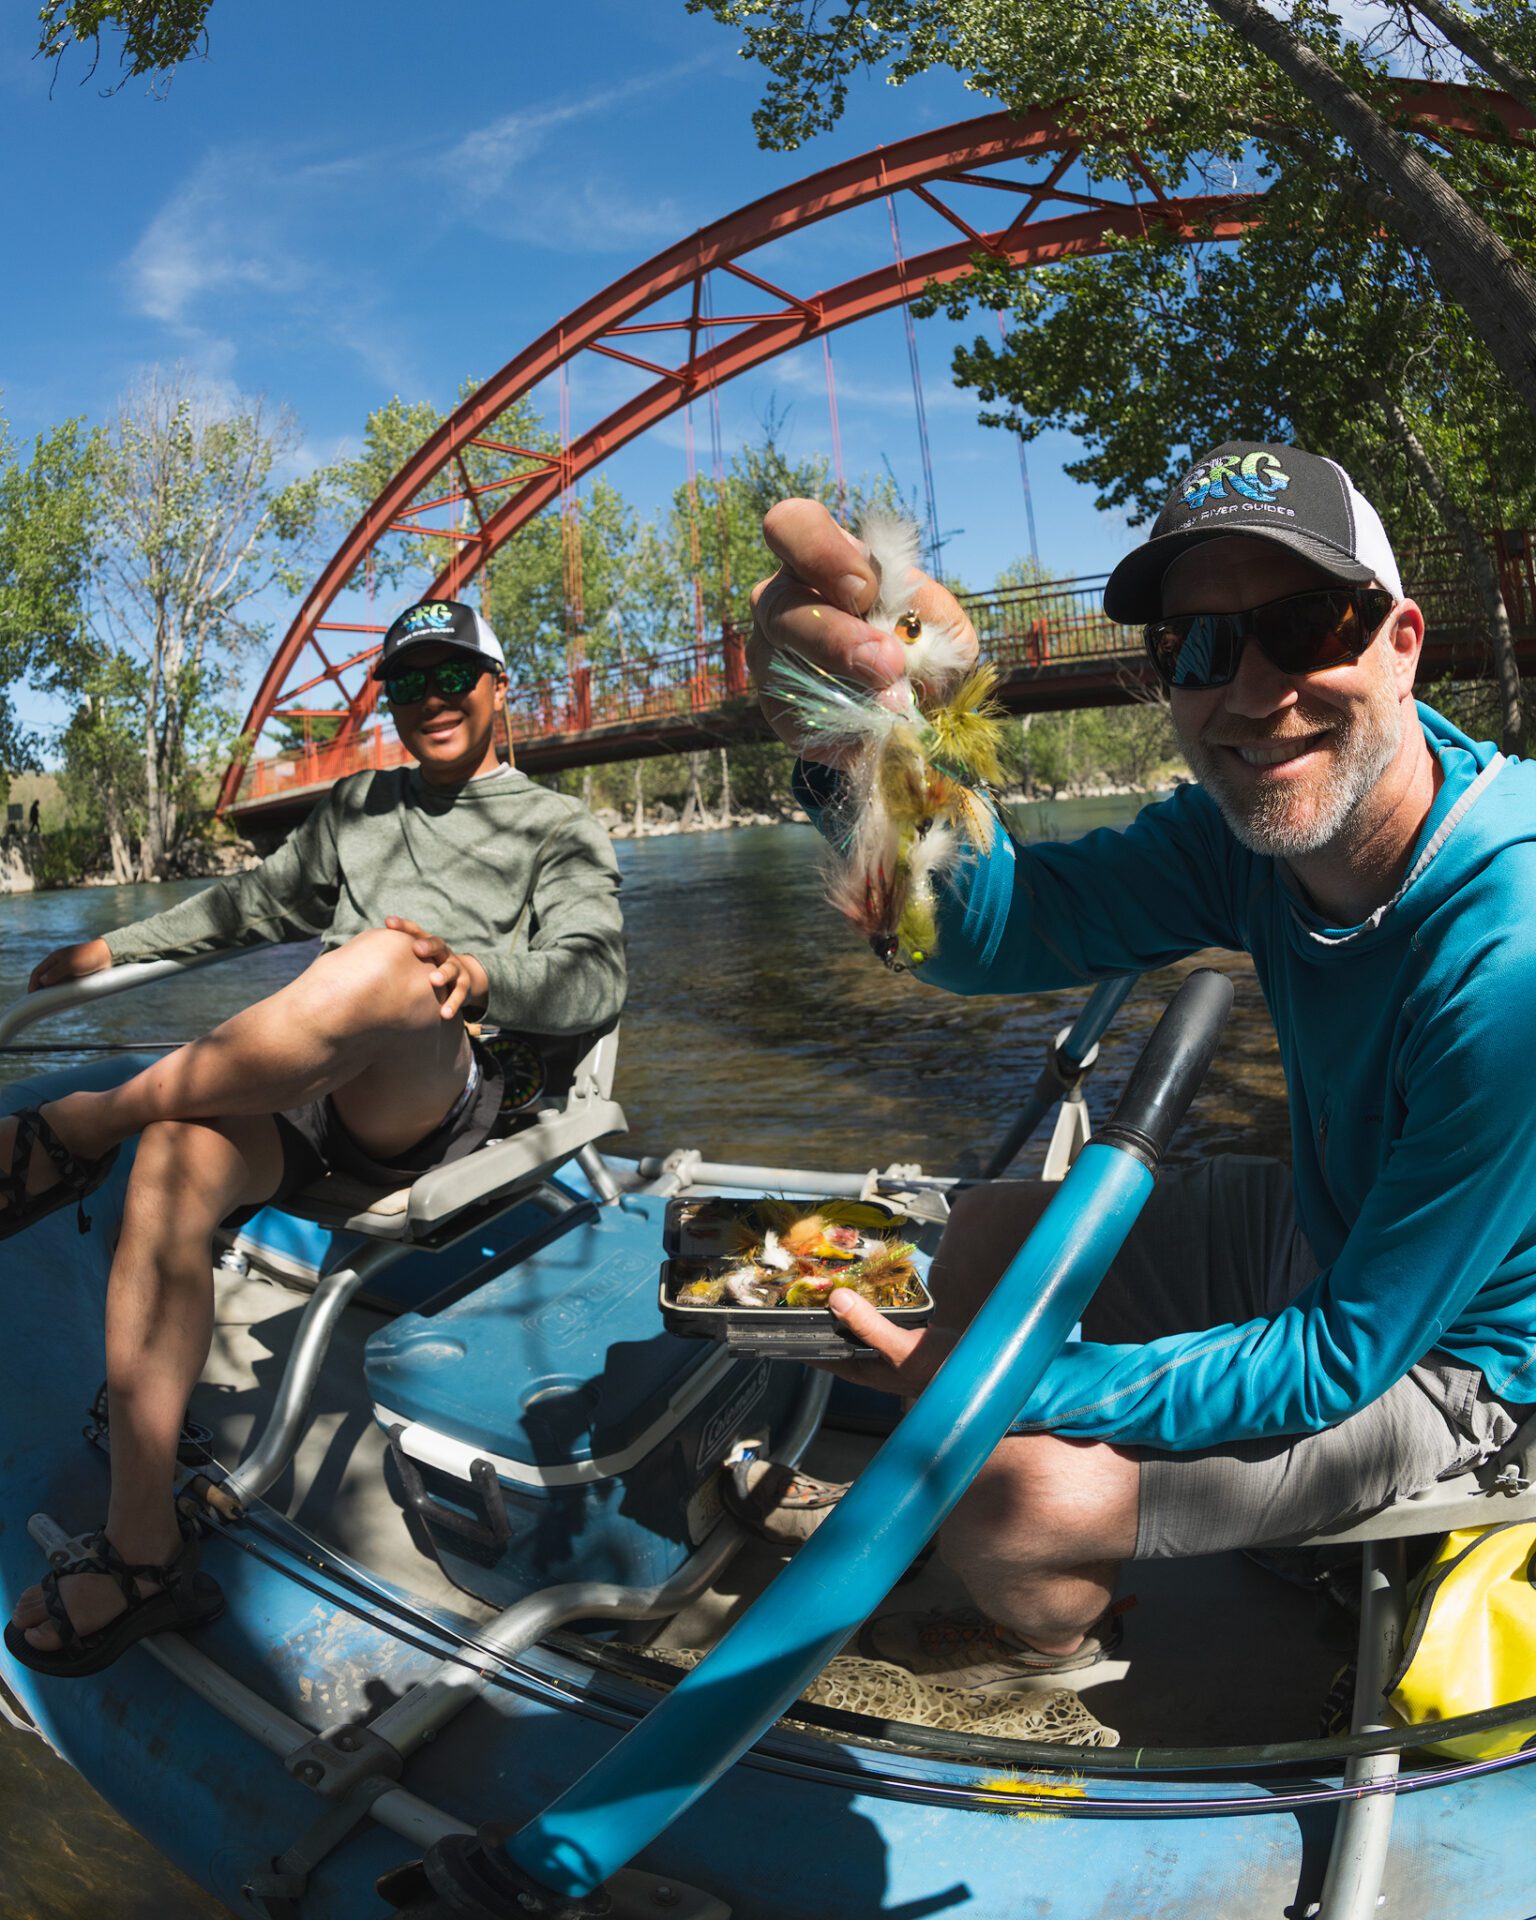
column 451, row 678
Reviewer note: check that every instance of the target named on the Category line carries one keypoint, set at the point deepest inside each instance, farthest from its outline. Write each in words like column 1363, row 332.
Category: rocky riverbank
column 661, row 820
column 26, row 866
column 16, row 865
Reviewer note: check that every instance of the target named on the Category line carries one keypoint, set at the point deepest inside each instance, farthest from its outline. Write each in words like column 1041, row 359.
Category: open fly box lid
column 711, row 1236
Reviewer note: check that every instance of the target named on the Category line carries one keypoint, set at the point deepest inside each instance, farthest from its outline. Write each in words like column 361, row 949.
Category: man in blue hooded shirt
column 1274, row 1352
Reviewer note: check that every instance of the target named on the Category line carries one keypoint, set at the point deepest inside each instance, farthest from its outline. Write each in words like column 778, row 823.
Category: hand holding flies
column 814, row 606
column 907, row 1358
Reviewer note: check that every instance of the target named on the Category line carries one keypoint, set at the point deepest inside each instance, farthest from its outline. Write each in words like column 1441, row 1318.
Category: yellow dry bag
column 1470, row 1641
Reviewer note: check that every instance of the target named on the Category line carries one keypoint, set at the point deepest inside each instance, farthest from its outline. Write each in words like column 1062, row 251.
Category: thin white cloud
column 209, row 239
column 220, row 261
column 233, row 244
column 801, row 375
column 583, row 216
column 484, row 160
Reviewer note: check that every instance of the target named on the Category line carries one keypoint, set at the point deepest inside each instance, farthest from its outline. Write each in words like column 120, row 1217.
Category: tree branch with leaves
column 1193, row 82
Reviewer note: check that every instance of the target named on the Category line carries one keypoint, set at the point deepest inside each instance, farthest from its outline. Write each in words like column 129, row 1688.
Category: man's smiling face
column 1288, row 758
column 452, row 736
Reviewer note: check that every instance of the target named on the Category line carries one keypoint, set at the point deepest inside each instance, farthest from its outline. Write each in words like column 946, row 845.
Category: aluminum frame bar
column 279, row 1438
column 1357, row 1860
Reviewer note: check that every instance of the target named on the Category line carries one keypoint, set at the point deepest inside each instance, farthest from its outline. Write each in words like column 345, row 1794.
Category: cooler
column 546, row 1428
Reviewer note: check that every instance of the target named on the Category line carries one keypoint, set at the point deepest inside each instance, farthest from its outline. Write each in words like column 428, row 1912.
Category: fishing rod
column 92, row 1046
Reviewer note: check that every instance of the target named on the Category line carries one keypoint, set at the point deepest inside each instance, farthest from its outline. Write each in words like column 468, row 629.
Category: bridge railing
column 1058, row 624
column 320, row 765
column 1044, row 629
column 629, row 691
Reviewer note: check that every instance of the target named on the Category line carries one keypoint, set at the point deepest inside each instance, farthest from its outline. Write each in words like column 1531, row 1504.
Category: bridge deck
column 1052, row 646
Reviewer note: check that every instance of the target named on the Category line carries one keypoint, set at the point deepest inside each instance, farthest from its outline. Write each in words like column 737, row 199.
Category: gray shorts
column 1218, row 1243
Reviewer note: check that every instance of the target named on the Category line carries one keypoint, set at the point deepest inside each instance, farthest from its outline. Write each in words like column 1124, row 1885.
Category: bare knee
column 187, row 1174
column 376, row 979
column 1044, row 1503
column 168, row 1154
column 180, row 1166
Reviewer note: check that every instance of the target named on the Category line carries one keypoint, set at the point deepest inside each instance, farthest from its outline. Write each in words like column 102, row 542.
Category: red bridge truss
column 672, row 299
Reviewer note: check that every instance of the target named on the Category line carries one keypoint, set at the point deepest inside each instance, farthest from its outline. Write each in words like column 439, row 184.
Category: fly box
column 755, row 1274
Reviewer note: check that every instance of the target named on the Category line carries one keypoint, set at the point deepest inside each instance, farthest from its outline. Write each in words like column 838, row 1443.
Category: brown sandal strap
column 58, row 1614
column 76, row 1176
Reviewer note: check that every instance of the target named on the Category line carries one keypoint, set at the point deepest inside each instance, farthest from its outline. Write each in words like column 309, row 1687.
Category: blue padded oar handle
column 859, row 1552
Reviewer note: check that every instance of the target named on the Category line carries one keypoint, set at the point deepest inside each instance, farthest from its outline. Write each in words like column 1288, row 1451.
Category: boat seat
column 428, row 1209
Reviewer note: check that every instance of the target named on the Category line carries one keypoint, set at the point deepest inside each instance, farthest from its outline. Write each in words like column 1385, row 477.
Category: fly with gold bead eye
column 913, row 760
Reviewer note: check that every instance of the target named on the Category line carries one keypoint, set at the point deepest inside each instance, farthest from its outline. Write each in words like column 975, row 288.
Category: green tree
column 190, row 525
column 1312, row 101
column 49, row 510
column 713, row 534
column 157, row 35
column 102, row 762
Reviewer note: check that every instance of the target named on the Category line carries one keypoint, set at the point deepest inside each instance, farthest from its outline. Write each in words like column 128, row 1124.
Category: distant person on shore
column 454, row 890
column 1275, row 1352
column 35, row 818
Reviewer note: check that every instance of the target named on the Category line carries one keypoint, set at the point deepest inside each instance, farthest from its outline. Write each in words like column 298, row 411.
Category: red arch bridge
column 995, row 186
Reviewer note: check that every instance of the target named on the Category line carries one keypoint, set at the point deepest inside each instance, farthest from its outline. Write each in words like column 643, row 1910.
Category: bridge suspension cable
column 934, row 544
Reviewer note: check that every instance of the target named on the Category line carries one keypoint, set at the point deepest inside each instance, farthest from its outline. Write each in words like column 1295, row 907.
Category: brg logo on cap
column 432, row 616
column 1251, row 476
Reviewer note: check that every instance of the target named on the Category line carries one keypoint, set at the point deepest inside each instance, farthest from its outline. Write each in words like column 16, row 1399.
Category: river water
column 758, row 1028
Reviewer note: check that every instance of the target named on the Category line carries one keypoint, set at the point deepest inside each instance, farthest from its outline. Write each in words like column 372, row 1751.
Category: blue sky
column 346, row 202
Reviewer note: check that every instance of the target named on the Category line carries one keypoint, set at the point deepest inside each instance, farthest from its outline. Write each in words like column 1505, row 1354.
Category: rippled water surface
column 758, row 1028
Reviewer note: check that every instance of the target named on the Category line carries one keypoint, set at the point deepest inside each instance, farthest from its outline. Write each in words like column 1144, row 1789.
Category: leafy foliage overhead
column 157, row 35
column 1232, row 91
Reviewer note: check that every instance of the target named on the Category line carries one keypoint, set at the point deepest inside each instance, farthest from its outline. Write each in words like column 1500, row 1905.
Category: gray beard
column 1364, row 746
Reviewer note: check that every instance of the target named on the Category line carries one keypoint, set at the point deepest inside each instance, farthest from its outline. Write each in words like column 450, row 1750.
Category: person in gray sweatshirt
column 444, row 893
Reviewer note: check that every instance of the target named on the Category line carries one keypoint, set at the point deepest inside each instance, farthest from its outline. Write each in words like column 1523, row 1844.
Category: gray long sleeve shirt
column 521, row 878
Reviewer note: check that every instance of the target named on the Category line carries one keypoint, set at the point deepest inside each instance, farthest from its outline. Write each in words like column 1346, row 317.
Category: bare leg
column 186, row 1177
column 1039, row 1535
column 362, row 1023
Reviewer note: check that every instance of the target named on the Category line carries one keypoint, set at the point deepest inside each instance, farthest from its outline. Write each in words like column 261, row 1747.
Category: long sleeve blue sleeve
column 1441, row 1254
column 1413, row 1158
column 1024, row 919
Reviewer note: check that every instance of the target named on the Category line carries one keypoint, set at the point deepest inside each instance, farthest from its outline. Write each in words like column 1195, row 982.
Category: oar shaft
column 683, row 1745
column 857, row 1555
column 1101, row 1006
column 1061, row 1069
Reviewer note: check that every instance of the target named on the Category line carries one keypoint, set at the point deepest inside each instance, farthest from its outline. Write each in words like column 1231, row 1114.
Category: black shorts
column 316, row 1142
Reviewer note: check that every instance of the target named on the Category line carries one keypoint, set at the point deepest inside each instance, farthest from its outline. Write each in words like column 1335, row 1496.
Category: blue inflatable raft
column 493, row 1645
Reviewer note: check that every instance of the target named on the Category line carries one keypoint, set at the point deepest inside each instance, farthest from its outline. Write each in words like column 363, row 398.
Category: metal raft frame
column 591, row 1832
column 356, row 1768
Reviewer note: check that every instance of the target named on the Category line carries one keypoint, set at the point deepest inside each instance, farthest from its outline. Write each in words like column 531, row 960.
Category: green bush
column 63, row 858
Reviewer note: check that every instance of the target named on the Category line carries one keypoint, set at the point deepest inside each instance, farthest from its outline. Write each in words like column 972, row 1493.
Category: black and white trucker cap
column 440, row 623
column 1299, row 500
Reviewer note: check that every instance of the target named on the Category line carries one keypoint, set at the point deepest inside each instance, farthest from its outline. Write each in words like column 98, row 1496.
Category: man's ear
column 1405, row 634
column 499, row 696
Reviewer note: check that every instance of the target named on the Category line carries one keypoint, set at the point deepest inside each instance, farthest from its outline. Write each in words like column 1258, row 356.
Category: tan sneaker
column 963, row 1649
